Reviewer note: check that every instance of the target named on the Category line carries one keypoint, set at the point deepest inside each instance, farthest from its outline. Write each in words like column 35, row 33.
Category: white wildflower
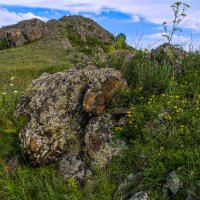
column 12, row 78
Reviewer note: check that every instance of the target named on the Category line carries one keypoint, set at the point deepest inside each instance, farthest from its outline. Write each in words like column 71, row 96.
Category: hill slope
column 50, row 47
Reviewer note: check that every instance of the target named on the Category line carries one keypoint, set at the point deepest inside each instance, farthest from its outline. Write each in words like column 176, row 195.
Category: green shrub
column 153, row 77
column 163, row 132
column 3, row 44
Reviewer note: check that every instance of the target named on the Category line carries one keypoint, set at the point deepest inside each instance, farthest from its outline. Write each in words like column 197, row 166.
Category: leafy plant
column 179, row 12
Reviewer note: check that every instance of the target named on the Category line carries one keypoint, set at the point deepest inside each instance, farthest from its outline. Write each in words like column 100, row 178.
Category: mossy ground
column 163, row 130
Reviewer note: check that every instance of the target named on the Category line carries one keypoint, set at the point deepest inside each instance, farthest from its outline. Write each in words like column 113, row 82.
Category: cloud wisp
column 8, row 18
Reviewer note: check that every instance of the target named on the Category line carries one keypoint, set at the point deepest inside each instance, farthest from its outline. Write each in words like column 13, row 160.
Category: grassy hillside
column 71, row 40
column 163, row 129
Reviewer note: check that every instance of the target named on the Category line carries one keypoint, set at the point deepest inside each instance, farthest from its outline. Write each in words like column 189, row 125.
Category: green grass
column 31, row 183
column 29, row 62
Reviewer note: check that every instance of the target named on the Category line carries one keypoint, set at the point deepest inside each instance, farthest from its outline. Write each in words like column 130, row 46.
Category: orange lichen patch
column 34, row 144
column 96, row 100
column 110, row 86
column 89, row 101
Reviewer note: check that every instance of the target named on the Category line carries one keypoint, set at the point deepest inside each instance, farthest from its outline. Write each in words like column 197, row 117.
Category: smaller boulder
column 173, row 184
column 171, row 54
column 140, row 196
column 72, row 167
column 128, row 189
column 11, row 165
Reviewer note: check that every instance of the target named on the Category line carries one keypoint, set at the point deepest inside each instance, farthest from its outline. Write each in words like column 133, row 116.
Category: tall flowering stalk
column 179, row 10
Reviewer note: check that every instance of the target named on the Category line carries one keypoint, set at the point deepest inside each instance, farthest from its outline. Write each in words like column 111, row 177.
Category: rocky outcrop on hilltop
column 24, row 32
column 86, row 28
column 72, row 26
column 67, row 120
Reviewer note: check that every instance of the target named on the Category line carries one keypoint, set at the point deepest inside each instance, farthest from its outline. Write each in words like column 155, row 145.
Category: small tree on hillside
column 121, row 40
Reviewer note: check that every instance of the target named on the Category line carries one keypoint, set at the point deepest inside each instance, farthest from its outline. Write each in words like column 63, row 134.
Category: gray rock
column 128, row 189
column 65, row 112
column 72, row 167
column 11, row 165
column 173, row 184
column 167, row 52
column 126, row 183
column 66, row 43
column 99, row 145
column 140, row 196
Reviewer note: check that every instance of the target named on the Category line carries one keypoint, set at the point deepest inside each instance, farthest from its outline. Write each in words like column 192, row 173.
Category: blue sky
column 140, row 20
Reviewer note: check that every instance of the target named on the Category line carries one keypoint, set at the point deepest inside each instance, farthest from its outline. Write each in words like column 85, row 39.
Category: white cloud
column 155, row 11
column 153, row 40
column 135, row 18
column 8, row 18
column 178, row 38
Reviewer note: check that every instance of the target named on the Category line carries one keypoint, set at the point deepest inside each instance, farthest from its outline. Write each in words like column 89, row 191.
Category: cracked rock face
column 99, row 145
column 24, row 32
column 34, row 29
column 66, row 120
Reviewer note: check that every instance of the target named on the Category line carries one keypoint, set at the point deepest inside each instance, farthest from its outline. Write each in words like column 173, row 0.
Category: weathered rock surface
column 173, row 184
column 171, row 54
column 71, row 166
column 140, row 196
column 11, row 165
column 71, row 26
column 130, row 189
column 23, row 32
column 66, row 118
column 98, row 144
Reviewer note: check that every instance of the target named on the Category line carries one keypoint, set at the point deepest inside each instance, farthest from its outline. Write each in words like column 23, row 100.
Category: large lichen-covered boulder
column 62, row 109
